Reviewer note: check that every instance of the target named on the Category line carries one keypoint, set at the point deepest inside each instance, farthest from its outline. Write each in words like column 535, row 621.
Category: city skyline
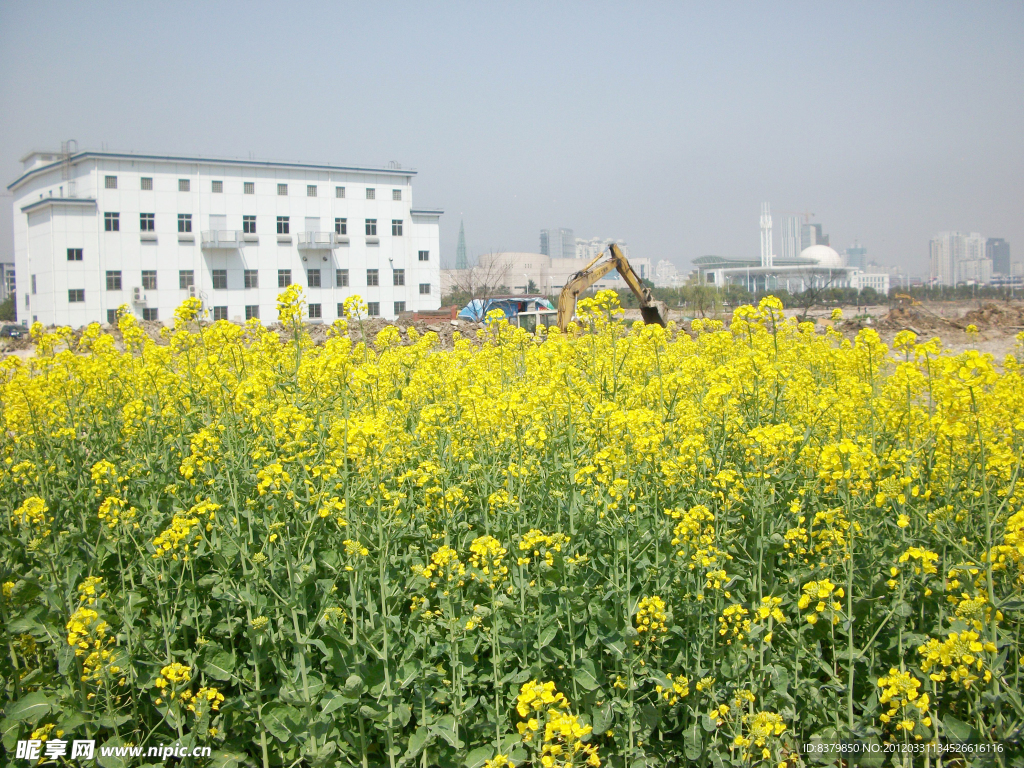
column 690, row 127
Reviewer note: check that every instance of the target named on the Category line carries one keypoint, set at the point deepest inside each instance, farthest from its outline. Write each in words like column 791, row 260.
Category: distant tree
column 531, row 287
column 9, row 310
column 486, row 279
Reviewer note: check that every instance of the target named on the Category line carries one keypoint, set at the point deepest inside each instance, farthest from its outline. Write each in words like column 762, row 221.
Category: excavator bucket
column 656, row 313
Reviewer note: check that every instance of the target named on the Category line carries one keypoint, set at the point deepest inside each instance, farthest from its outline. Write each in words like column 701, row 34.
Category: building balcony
column 220, row 238
column 315, row 241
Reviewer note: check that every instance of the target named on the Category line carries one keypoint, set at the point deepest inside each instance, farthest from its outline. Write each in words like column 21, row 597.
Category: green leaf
column 217, row 663
column 31, row 708
column 692, row 744
column 585, row 679
column 281, row 720
column 445, row 728
column 221, row 759
column 602, row 717
column 332, row 701
column 479, row 756
column 417, row 742
column 547, row 635
column 955, row 729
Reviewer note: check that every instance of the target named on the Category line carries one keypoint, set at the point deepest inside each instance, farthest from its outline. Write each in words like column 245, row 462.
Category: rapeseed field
column 619, row 546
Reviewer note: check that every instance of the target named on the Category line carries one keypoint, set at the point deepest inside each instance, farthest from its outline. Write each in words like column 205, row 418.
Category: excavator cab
column 651, row 310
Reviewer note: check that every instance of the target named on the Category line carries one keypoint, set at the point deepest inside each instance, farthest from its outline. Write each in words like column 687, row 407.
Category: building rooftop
column 79, row 156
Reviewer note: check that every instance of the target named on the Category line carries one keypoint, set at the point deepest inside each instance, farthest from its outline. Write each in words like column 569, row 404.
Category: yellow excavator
column 652, row 310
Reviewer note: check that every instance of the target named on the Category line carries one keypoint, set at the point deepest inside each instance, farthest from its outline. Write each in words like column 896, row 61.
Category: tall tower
column 791, row 238
column 460, row 249
column 767, row 257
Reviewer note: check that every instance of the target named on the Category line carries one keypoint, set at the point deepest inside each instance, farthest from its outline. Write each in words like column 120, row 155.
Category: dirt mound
column 915, row 319
column 996, row 316
column 368, row 330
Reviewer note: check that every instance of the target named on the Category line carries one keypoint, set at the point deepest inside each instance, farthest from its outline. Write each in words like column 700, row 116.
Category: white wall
column 42, row 237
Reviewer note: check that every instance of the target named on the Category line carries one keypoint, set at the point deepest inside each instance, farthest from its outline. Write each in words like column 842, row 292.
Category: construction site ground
column 998, row 324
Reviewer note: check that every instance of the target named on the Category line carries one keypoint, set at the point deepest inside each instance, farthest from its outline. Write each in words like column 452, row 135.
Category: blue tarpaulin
column 477, row 309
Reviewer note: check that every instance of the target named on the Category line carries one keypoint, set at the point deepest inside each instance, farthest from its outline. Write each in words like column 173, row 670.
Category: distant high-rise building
column 595, row 246
column 998, row 250
column 461, row 262
column 948, row 249
column 558, row 243
column 810, row 234
column 791, row 238
column 857, row 256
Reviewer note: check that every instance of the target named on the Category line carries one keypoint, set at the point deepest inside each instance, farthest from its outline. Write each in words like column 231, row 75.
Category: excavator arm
column 653, row 311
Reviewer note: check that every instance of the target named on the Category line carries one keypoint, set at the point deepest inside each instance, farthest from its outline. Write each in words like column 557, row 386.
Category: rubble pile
column 1008, row 316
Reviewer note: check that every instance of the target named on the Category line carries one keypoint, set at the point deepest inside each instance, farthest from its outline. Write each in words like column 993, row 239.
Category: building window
column 372, row 277
column 76, row 295
column 311, row 190
column 339, row 191
column 373, row 309
column 112, row 222
column 184, row 185
column 220, row 313
column 424, row 289
column 396, row 194
column 147, row 222
column 341, row 226
column 114, row 280
column 371, row 227
column 184, row 222
column 396, row 227
column 249, row 187
column 249, row 225
column 110, row 182
column 218, row 187
column 341, row 278
column 371, row 193
column 147, row 183
column 186, row 279
column 399, row 307
column 220, row 279
column 398, row 276
column 282, row 189
column 314, row 311
column 149, row 279
column 150, row 313
column 26, row 301
column 424, row 255
column 282, row 225
column 284, row 278
column 313, row 278
column 252, row 311
column 33, row 285
column 111, row 317
column 74, row 254
column 252, row 279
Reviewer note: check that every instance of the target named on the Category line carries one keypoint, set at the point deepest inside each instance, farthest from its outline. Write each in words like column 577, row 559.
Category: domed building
column 822, row 255
column 818, row 266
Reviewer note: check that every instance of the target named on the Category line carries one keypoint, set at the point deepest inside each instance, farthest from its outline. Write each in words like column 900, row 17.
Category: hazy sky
column 665, row 124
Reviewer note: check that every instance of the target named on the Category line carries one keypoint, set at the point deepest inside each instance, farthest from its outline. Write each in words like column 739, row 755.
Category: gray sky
column 662, row 124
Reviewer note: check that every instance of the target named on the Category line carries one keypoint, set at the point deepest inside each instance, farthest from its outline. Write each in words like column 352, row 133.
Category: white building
column 557, row 243
column 95, row 230
column 817, row 266
column 880, row 281
column 666, row 275
column 595, row 246
column 948, row 249
column 974, row 271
